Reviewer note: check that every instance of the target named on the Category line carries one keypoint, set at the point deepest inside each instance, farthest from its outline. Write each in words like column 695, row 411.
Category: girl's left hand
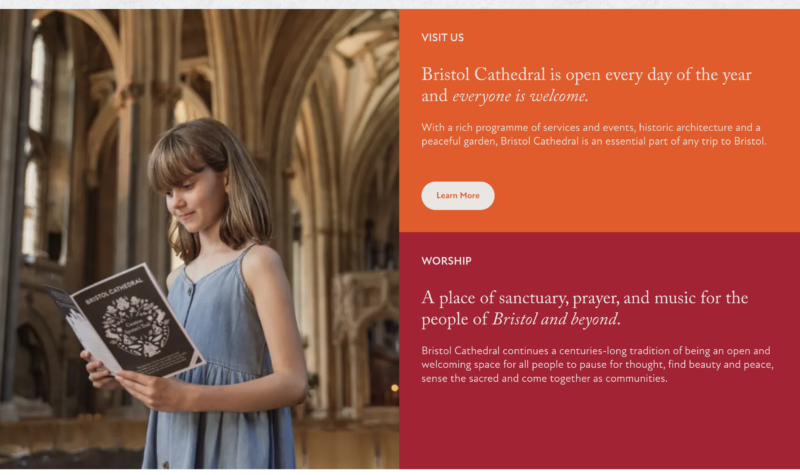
column 157, row 393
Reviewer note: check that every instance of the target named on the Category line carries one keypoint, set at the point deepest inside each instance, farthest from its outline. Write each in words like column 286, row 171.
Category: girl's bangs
column 171, row 164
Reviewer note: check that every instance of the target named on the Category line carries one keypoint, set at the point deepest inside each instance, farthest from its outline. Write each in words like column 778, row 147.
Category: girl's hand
column 159, row 394
column 99, row 375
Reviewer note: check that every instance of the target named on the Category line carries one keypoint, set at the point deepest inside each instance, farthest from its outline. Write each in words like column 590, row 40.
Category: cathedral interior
column 312, row 94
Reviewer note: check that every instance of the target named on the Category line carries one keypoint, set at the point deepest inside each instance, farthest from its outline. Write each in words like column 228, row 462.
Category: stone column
column 338, row 346
column 150, row 42
column 356, row 375
column 308, row 292
column 151, row 46
column 128, row 137
column 324, row 317
column 76, row 229
column 15, row 65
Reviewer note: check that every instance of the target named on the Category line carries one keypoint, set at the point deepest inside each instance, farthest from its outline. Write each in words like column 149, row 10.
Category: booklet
column 126, row 322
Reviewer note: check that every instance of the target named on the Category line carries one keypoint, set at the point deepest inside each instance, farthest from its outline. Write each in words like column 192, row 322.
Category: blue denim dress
column 219, row 314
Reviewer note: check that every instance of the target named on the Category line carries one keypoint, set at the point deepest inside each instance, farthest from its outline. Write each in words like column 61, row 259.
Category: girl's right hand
column 99, row 375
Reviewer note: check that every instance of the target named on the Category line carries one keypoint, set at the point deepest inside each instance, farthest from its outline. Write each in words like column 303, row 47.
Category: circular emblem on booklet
column 136, row 326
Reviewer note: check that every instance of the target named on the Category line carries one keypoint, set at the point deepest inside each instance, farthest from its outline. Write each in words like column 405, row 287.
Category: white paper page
column 91, row 341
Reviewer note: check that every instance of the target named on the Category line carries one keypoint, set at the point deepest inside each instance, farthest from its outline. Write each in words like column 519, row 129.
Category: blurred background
column 84, row 95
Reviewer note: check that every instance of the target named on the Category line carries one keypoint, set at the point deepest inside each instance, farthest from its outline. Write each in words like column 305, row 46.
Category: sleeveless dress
column 219, row 314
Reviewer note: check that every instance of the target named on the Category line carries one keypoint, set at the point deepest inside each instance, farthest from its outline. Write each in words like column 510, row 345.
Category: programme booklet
column 126, row 322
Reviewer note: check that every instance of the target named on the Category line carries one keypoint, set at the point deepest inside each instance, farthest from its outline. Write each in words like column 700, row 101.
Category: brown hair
column 187, row 149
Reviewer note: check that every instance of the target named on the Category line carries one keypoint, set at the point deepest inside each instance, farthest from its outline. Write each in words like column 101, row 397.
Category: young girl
column 233, row 298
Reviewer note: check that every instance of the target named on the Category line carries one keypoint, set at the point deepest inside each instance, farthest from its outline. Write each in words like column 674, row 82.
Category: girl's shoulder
column 260, row 258
column 262, row 265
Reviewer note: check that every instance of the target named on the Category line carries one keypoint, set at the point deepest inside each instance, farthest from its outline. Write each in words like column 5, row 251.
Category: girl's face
column 200, row 200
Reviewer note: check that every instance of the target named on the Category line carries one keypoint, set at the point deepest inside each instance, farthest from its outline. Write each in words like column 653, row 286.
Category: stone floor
column 70, row 435
column 91, row 458
column 99, row 442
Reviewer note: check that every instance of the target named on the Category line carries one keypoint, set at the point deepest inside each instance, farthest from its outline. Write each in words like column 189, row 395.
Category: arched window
column 37, row 125
column 30, row 220
column 38, row 85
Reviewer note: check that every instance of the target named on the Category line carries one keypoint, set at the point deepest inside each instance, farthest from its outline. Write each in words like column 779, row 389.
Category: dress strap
column 241, row 255
column 240, row 273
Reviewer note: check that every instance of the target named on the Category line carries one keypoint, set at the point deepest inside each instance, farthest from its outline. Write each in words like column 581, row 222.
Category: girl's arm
column 287, row 386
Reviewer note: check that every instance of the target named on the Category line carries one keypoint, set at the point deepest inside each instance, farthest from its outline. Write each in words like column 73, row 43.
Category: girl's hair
column 187, row 149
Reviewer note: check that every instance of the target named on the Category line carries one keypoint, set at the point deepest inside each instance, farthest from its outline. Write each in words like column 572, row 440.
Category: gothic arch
column 98, row 22
column 291, row 83
column 36, row 320
column 348, row 119
column 387, row 311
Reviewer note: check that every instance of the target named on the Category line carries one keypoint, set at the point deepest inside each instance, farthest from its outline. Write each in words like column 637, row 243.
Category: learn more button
column 458, row 195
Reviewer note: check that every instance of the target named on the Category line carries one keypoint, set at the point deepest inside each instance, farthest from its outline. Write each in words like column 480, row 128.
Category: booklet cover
column 126, row 322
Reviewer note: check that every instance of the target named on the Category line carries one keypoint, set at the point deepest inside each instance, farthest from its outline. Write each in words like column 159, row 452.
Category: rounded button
column 458, row 195
column 189, row 292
